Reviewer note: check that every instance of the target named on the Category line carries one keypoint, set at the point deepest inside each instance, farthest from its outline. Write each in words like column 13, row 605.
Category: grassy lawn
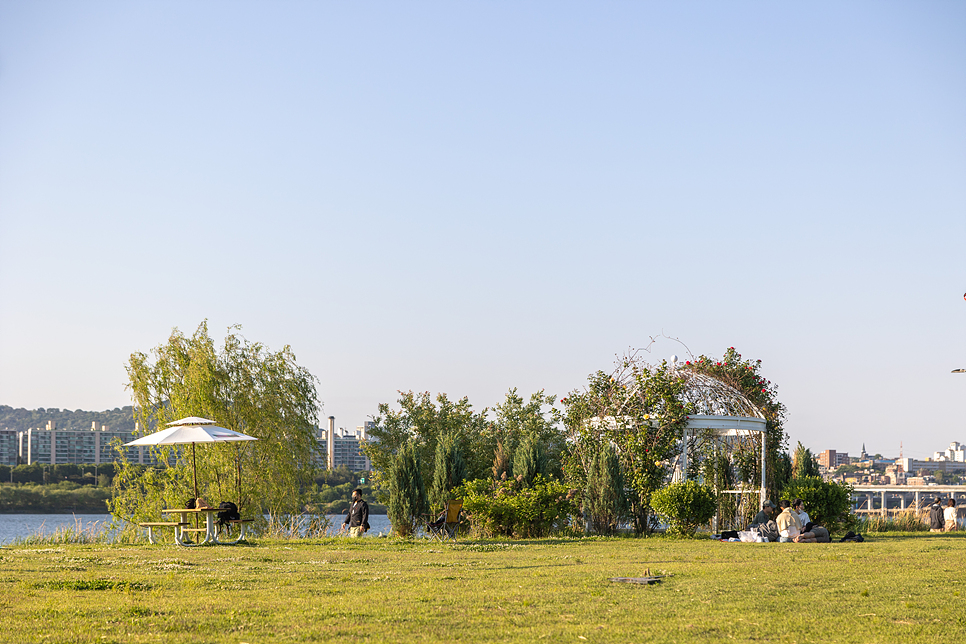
column 892, row 588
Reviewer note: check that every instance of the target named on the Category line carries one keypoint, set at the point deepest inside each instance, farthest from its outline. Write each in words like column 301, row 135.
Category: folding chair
column 444, row 527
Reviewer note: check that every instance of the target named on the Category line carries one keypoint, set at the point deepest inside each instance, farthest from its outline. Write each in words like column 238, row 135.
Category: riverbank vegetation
column 57, row 498
column 893, row 588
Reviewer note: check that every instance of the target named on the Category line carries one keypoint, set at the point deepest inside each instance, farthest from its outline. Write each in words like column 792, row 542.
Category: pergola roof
column 712, row 397
column 727, row 425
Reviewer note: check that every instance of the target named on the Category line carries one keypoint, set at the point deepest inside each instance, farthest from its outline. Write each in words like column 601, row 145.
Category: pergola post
column 764, row 490
column 684, row 457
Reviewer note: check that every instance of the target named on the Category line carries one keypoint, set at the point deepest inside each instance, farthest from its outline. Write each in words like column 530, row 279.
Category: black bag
column 229, row 512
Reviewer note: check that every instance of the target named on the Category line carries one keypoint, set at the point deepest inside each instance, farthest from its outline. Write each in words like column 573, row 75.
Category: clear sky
column 467, row 197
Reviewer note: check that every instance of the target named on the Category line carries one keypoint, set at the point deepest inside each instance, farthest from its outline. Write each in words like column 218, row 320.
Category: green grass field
column 892, row 588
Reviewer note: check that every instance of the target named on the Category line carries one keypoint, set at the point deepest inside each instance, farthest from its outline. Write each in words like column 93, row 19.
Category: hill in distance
column 119, row 418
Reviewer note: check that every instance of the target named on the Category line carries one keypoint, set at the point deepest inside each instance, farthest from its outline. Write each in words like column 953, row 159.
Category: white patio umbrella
column 192, row 430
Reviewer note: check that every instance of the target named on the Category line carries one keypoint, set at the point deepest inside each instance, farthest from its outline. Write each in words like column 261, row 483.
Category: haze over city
column 465, row 198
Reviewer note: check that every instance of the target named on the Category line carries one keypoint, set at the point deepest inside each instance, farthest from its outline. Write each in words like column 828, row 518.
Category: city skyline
column 467, row 199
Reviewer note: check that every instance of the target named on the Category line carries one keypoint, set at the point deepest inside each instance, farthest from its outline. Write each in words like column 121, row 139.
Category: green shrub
column 685, row 506
column 510, row 509
column 828, row 503
column 449, row 471
column 529, row 460
column 407, row 493
column 605, row 502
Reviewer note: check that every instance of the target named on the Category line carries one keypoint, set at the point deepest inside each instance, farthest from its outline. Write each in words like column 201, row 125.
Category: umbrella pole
column 194, row 467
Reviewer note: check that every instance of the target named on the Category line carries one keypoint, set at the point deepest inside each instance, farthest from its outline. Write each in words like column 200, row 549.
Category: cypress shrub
column 604, row 498
column 407, row 494
column 449, row 471
column 529, row 460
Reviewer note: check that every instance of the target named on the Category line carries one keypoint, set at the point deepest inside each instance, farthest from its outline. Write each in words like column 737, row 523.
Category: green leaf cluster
column 828, row 503
column 509, row 508
column 804, row 464
column 605, row 502
column 407, row 492
column 449, row 471
column 685, row 506
column 478, row 439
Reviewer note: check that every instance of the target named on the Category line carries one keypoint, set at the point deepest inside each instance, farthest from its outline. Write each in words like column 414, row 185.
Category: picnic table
column 207, row 534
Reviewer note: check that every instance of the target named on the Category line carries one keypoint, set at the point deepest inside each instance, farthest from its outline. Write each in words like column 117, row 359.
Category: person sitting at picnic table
column 790, row 527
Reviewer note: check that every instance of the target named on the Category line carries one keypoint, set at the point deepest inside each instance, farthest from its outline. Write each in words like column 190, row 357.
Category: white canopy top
column 192, row 420
column 191, row 434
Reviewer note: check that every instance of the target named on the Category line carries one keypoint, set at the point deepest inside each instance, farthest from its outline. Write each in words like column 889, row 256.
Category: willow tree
column 242, row 386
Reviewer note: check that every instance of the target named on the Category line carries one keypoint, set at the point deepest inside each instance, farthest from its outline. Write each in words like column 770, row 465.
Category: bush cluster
column 509, row 508
column 828, row 503
column 685, row 506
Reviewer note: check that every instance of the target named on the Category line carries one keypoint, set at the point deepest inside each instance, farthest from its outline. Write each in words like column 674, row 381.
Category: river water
column 21, row 526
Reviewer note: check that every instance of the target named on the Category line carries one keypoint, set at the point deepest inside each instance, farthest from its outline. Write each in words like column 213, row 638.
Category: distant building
column 913, row 466
column 52, row 446
column 895, row 474
column 9, row 446
column 830, row 459
column 344, row 448
column 956, row 453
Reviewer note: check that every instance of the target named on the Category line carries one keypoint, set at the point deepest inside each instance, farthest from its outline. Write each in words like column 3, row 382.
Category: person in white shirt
column 799, row 507
column 949, row 513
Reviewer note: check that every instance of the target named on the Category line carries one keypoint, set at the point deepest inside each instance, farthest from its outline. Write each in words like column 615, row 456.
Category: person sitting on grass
column 949, row 513
column 821, row 533
column 764, row 523
column 790, row 527
column 936, row 515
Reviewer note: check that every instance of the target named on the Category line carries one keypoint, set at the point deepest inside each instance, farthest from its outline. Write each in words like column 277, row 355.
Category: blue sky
column 468, row 197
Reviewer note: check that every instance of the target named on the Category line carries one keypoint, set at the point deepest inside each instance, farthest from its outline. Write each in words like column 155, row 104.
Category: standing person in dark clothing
column 936, row 516
column 358, row 516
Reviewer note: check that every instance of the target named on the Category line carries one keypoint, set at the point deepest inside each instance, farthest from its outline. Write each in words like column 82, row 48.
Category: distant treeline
column 61, row 498
column 39, row 488
column 119, row 418
column 40, row 474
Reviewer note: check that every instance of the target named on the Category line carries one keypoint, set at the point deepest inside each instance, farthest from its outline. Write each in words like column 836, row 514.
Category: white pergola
column 746, row 427
column 725, row 414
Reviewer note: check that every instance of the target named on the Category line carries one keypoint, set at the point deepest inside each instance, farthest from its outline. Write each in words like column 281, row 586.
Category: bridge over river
column 886, row 499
